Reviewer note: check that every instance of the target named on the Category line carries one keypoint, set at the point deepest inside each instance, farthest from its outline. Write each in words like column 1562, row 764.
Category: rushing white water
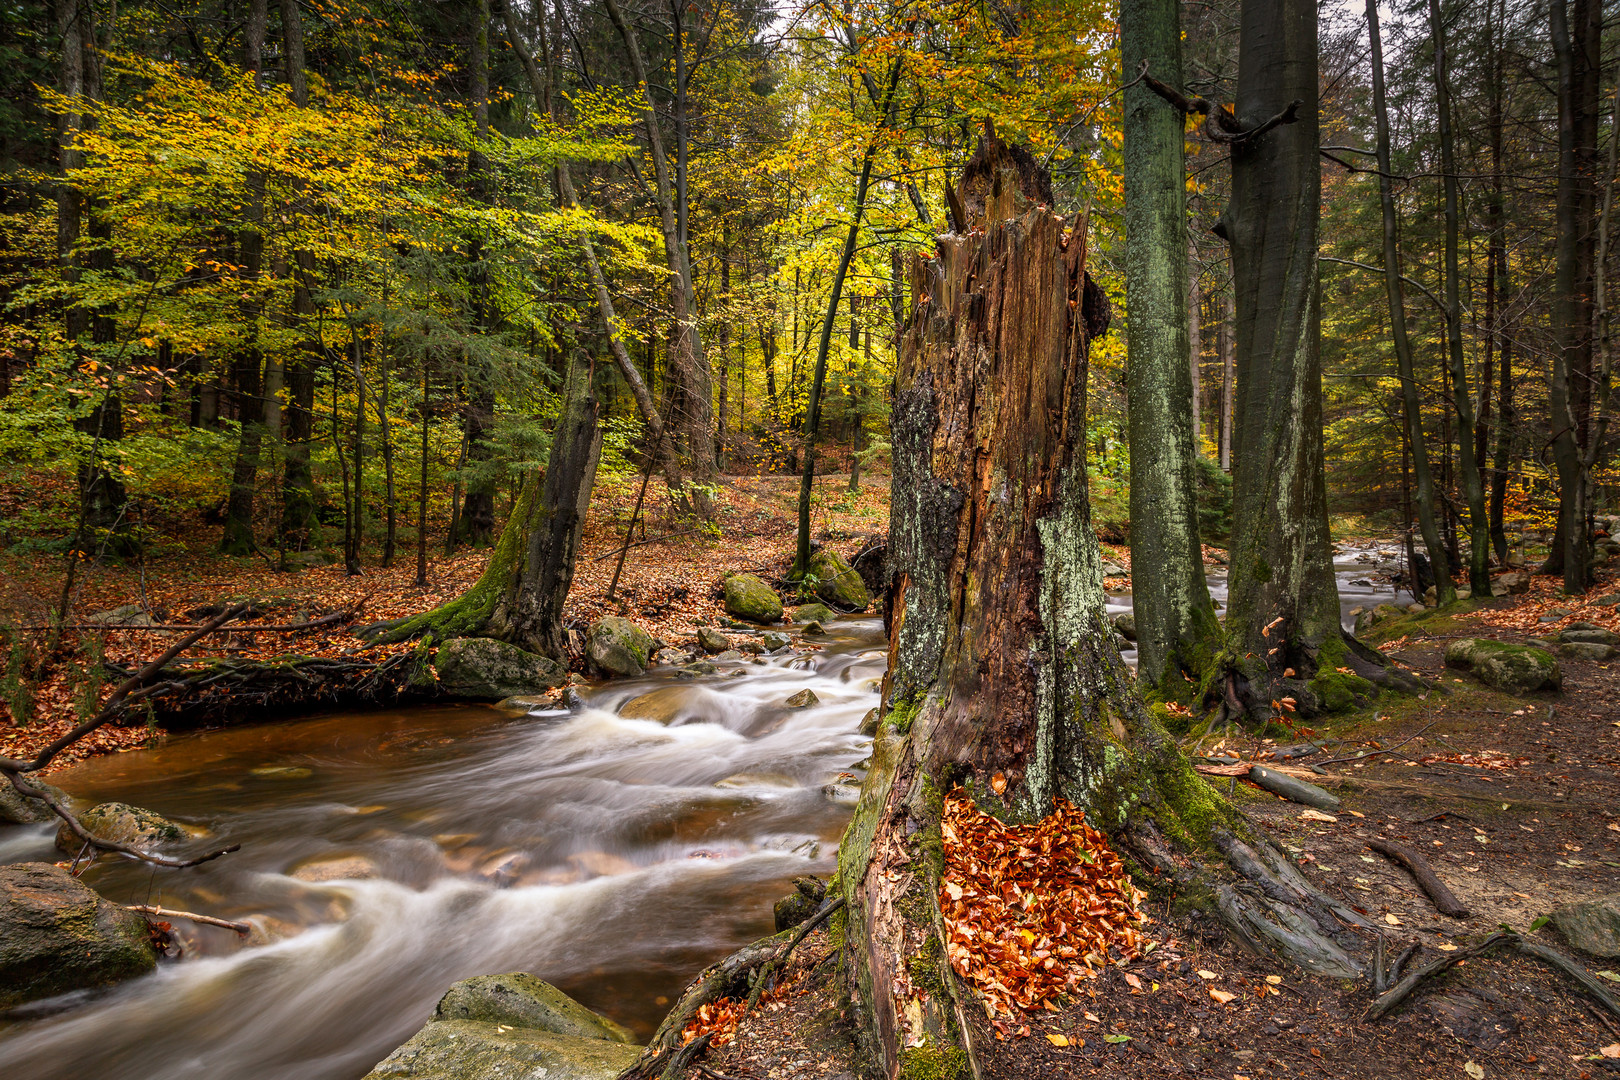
column 612, row 856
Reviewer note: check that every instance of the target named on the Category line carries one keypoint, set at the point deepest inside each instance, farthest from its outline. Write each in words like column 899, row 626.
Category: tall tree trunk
column 1228, row 360
column 476, row 524
column 237, row 537
column 1473, row 489
column 299, row 527
column 724, row 345
column 1003, row 684
column 1395, row 288
column 1501, row 453
column 687, row 362
column 1177, row 634
column 1576, row 31
column 1195, row 346
column 1284, row 605
column 812, row 426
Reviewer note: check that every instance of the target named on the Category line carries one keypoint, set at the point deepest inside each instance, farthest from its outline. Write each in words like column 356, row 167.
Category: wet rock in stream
column 488, row 670
column 518, row 999
column 57, row 935
column 121, row 823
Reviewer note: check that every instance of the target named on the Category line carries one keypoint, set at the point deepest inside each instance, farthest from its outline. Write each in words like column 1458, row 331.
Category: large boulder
column 660, row 706
column 1592, row 926
column 748, row 597
column 128, row 615
column 837, row 583
column 518, row 999
column 1512, row 669
column 618, row 646
column 474, row 1050
column 57, row 935
column 122, row 823
column 1516, row 583
column 488, row 670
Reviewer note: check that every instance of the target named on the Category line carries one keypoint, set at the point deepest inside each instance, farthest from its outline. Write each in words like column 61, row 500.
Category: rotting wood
column 1444, row 900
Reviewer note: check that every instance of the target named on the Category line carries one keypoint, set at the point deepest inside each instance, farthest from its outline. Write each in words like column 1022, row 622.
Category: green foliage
column 1214, row 501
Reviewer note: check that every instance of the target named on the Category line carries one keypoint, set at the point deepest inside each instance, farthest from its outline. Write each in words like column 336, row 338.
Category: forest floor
column 1516, row 804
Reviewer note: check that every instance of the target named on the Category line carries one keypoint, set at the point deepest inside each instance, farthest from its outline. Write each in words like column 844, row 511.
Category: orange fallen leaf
column 1221, row 995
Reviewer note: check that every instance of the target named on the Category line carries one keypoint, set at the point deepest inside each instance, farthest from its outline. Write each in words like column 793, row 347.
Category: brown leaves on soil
column 1031, row 910
column 720, row 1017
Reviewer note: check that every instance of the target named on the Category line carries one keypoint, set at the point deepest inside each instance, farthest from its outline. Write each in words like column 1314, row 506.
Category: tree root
column 779, row 961
column 1552, row 957
column 1276, row 910
column 724, row 979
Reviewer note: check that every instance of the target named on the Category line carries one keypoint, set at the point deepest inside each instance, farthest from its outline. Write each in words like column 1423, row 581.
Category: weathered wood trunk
column 1002, row 677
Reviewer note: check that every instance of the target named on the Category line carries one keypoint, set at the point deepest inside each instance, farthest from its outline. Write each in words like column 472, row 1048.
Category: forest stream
column 611, row 856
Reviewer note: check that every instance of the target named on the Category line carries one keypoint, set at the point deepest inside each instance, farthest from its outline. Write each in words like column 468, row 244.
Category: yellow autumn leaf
column 1057, row 1040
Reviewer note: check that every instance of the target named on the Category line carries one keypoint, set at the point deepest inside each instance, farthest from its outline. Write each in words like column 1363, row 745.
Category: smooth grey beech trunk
column 1176, row 630
column 1284, row 604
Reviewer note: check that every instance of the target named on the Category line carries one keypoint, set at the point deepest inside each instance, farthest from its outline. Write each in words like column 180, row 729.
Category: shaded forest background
column 289, row 281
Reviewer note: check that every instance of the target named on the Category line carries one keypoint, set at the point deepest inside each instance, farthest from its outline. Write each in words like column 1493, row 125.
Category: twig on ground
column 779, row 961
column 1317, row 766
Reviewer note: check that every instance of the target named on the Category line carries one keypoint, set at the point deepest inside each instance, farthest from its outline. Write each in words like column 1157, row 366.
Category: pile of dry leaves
column 1031, row 910
column 719, row 1018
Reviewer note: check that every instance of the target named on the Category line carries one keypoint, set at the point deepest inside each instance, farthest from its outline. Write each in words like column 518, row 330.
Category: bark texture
column 1175, row 621
column 1284, row 606
column 1002, row 676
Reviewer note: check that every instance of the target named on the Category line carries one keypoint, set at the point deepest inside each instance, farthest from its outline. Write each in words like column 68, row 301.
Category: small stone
column 807, row 613
column 1592, row 926
column 837, row 583
column 773, row 641
column 282, row 772
column 712, row 640
column 814, row 629
column 803, row 699
column 1594, row 651
column 1590, row 634
column 1113, row 570
column 484, row 669
column 671, row 657
column 869, row 723
column 521, row 1000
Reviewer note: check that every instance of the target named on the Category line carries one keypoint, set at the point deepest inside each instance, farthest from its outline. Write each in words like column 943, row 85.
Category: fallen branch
column 123, row 690
column 284, row 628
column 1444, row 900
column 23, row 787
column 207, row 920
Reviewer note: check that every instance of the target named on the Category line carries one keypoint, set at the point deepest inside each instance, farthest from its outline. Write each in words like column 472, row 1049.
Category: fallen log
column 1444, row 900
column 1292, row 788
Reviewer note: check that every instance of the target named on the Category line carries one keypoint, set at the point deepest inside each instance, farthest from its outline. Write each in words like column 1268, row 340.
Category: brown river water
column 614, row 857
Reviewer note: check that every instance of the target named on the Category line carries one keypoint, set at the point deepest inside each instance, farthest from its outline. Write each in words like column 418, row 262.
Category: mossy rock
column 1586, row 650
column 618, row 646
column 18, row 809
column 837, row 583
column 474, row 1050
column 519, row 999
column 748, row 597
column 712, row 640
column 484, row 669
column 57, row 935
column 1501, row 665
column 809, row 613
column 121, row 823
